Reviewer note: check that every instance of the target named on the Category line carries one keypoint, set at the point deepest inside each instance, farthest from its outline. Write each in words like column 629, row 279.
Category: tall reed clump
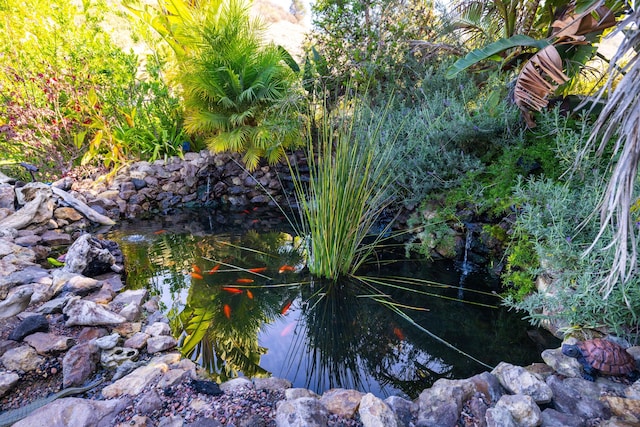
column 350, row 185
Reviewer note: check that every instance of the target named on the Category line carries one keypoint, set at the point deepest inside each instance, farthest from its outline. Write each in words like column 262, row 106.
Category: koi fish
column 286, row 307
column 159, row 232
column 234, row 291
column 227, row 311
column 255, row 221
column 244, row 281
column 257, row 270
column 196, row 269
column 398, row 333
column 287, row 329
column 249, row 294
column 286, row 268
column 246, row 211
column 196, row 275
column 214, row 269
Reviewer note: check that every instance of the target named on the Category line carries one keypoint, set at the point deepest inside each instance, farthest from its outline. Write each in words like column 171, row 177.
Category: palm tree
column 618, row 122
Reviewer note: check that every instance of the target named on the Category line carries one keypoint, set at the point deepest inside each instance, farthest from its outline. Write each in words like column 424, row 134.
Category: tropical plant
column 572, row 36
column 239, row 93
column 619, row 122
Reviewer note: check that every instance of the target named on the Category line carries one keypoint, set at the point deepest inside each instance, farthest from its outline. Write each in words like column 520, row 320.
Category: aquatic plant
column 350, row 184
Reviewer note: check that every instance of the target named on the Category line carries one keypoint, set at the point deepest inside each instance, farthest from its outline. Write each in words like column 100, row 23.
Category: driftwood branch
column 82, row 207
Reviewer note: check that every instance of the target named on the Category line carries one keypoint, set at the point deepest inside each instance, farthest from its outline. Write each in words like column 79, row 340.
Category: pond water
column 235, row 290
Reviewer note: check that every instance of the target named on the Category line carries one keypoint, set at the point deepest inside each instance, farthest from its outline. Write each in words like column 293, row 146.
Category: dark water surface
column 237, row 296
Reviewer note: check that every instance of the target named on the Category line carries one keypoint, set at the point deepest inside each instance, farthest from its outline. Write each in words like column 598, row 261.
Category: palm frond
column 618, row 122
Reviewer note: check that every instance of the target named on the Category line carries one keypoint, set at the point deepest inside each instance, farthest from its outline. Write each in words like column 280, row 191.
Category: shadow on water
column 238, row 298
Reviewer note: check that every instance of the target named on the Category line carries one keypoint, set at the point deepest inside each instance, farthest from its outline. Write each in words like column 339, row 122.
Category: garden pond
column 237, row 295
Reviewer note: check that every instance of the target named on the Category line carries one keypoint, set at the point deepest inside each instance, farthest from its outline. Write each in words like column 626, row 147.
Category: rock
column 126, row 368
column 30, row 240
column 76, row 284
column 518, row 380
column 173, row 377
column 523, row 409
column 564, row 365
column 7, row 197
column 271, row 384
column 23, row 358
column 295, row 393
column 160, row 343
column 341, row 401
column 108, row 342
column 88, row 334
column 206, row 387
column 137, row 380
column 30, row 325
column 55, row 238
column 79, row 363
column 7, row 381
column 113, row 357
column 570, row 401
column 628, row 409
column 67, row 213
column 499, row 416
column 17, row 300
column 75, row 412
column 87, row 313
column 131, row 312
column 404, row 409
column 54, row 305
column 103, row 296
column 46, row 344
column 552, row 418
column 149, row 403
column 302, row 412
column 7, row 345
column 88, row 256
column 130, row 296
column 137, row 341
column 441, row 404
column 158, row 329
column 235, row 384
column 375, row 413
column 171, row 421
column 26, row 274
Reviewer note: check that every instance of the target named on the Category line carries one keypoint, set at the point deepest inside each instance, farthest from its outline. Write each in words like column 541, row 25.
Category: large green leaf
column 491, row 49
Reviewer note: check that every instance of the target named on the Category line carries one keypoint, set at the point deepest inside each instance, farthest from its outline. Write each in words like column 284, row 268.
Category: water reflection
column 237, row 311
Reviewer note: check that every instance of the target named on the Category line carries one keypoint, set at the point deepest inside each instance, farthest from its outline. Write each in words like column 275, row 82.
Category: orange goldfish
column 196, row 275
column 234, row 291
column 244, row 281
column 287, row 329
column 286, row 268
column 249, row 294
column 258, row 270
column 286, row 307
column 214, row 269
column 398, row 333
column 196, row 269
column 227, row 311
column 160, row 232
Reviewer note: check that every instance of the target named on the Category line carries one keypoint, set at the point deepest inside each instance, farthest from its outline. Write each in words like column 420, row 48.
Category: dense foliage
column 71, row 96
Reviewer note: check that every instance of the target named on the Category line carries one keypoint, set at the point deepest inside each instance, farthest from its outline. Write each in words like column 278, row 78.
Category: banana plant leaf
column 492, row 49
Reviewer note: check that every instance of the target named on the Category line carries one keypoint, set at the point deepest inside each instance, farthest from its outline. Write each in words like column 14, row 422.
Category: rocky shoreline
column 69, row 326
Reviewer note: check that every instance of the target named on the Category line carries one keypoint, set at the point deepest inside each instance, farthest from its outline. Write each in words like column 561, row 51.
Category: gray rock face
column 87, row 313
column 405, row 410
column 23, row 358
column 441, row 404
column 31, row 324
column 46, row 344
column 79, row 363
column 569, row 400
column 518, row 380
column 522, row 408
column 7, row 381
column 131, row 296
column 341, row 401
column 160, row 343
column 375, row 413
column 302, row 412
column 157, row 329
column 75, row 412
column 17, row 300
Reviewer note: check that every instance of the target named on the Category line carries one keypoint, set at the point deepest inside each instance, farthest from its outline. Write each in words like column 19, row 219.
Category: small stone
column 67, row 213
column 22, row 358
column 137, row 341
column 73, row 411
column 206, row 387
column 79, row 363
column 236, row 384
column 7, row 381
column 375, row 413
column 17, row 300
column 56, row 238
column 131, row 312
column 271, row 384
column 46, row 344
column 342, row 402
column 30, row 325
column 130, row 296
column 295, row 393
column 87, row 313
column 302, row 412
column 157, row 329
column 160, row 343
column 518, row 380
column 108, row 342
column 523, row 409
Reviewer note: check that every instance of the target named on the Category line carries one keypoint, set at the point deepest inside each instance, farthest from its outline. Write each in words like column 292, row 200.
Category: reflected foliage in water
column 241, row 304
